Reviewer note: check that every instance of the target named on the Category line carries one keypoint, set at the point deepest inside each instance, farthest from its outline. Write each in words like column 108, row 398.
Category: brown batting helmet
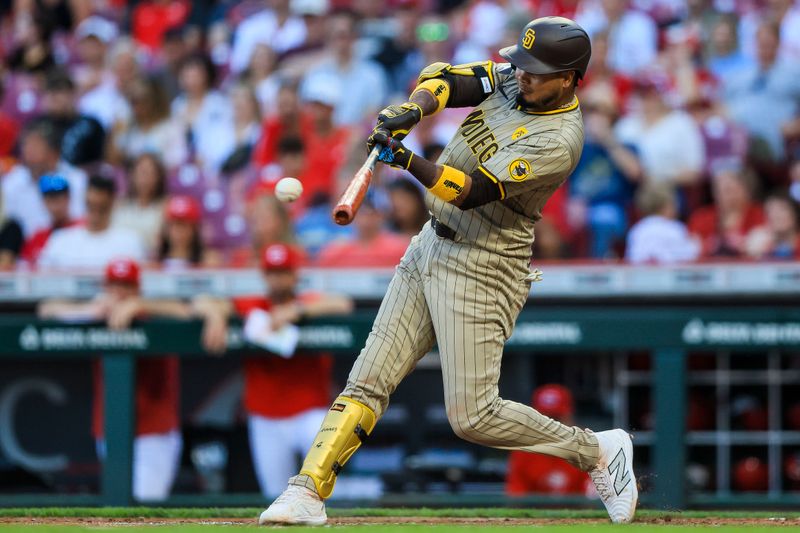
column 550, row 44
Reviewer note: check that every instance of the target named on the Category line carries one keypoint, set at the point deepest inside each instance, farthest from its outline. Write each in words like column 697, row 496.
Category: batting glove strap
column 399, row 119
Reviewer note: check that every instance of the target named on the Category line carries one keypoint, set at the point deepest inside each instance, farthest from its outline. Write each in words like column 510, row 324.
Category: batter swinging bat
column 345, row 211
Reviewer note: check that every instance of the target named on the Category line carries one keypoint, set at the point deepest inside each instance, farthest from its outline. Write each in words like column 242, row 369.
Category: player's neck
column 566, row 100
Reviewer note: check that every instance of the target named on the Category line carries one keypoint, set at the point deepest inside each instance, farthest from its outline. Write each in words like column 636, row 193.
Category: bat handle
column 372, row 158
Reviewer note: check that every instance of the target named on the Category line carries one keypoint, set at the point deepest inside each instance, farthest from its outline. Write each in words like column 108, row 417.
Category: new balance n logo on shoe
column 618, row 470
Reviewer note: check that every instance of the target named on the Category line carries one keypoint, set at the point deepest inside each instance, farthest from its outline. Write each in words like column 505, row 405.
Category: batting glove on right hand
column 393, row 153
column 399, row 119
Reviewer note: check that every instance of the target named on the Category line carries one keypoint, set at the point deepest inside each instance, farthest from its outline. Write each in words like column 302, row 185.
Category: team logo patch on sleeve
column 519, row 170
column 519, row 132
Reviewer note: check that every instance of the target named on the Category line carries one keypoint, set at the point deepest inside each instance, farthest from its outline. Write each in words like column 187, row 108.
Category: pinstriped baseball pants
column 467, row 300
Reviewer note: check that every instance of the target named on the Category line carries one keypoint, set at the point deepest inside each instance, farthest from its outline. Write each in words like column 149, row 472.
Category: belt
column 441, row 230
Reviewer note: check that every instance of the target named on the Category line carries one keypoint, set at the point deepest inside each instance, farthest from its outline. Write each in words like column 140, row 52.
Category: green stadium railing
column 669, row 332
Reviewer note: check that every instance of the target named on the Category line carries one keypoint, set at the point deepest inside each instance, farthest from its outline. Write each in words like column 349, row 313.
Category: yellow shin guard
column 347, row 424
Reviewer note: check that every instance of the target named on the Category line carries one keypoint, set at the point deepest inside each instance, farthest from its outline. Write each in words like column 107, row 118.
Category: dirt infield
column 776, row 521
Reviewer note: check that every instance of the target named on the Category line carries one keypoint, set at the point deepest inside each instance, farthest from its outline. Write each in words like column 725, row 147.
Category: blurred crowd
column 157, row 129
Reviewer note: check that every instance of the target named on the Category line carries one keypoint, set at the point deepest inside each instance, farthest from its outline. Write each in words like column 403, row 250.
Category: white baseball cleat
column 297, row 505
column 613, row 475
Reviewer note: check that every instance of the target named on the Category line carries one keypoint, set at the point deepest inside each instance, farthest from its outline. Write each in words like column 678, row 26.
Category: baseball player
column 158, row 443
column 466, row 275
column 285, row 397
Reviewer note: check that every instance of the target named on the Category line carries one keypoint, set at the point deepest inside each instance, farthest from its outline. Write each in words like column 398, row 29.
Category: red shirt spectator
column 723, row 227
column 531, row 473
column 157, row 396
column 56, row 196
column 372, row 247
column 326, row 145
column 275, row 387
column 157, row 379
column 9, row 129
column 289, row 121
column 151, row 19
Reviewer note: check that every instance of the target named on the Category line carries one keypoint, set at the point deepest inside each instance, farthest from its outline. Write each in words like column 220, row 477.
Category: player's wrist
column 415, row 109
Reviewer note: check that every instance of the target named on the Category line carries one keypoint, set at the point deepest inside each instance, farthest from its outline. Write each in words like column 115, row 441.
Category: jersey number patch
column 519, row 170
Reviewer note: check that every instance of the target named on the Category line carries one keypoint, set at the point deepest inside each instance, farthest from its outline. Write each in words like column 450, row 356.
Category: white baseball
column 288, row 189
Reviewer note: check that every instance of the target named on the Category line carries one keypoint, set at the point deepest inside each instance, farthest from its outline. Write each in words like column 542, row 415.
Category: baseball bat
column 345, row 211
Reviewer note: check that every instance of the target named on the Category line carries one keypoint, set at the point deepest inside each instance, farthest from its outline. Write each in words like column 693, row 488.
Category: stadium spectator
column 56, row 194
column 268, row 221
column 32, row 49
column 407, row 211
column 601, row 187
column 723, row 56
column 39, row 155
column 95, row 243
column 315, row 227
column 263, row 77
column 533, row 473
column 9, row 127
column 181, row 245
column 484, row 24
column 110, row 64
column 246, row 127
column 602, row 78
column 273, row 25
column 152, row 19
column 150, row 130
column 723, row 226
column 285, row 396
column 143, row 210
column 204, row 114
column 785, row 14
column 763, row 96
column 659, row 237
column 397, row 53
column 171, row 55
column 298, row 60
column 326, row 144
column 361, row 83
column 779, row 238
column 632, row 35
column 82, row 137
column 288, row 121
column 158, row 442
column 11, row 242
column 667, row 141
column 373, row 245
column 93, row 36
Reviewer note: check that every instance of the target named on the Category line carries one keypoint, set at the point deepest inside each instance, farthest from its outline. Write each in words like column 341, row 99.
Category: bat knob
column 342, row 216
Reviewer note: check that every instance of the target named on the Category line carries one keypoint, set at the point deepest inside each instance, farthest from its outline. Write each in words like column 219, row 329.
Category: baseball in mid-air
column 288, row 189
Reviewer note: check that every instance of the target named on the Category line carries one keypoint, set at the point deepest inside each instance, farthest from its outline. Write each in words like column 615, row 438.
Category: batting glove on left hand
column 393, row 152
column 399, row 119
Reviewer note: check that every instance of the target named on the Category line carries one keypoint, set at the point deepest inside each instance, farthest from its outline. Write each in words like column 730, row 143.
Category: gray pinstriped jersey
column 531, row 155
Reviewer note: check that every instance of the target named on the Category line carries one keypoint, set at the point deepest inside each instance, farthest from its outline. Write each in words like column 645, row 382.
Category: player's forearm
column 165, row 308
column 426, row 100
column 329, row 305
column 453, row 186
column 63, row 310
column 204, row 306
